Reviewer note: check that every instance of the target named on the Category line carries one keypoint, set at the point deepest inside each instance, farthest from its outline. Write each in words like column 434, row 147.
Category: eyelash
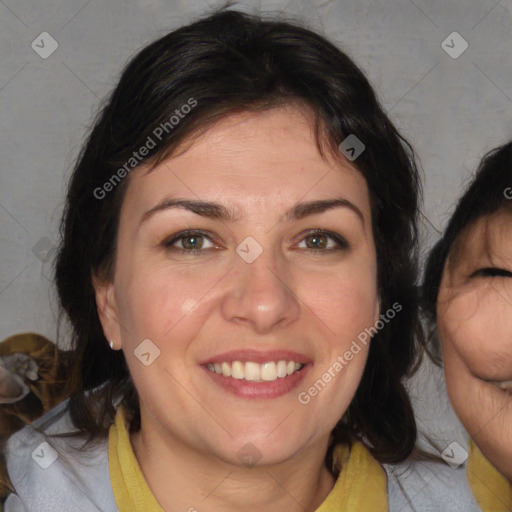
column 492, row 272
column 169, row 242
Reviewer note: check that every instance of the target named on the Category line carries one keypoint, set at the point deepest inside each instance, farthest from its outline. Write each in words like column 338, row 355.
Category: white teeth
column 252, row 371
column 255, row 372
column 281, row 369
column 237, row 370
column 226, row 370
column 269, row 371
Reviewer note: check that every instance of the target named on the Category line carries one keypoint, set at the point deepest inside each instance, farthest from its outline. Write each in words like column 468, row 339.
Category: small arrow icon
column 44, row 455
column 454, row 455
column 351, row 147
column 44, row 45
column 451, row 456
column 43, row 249
column 146, row 352
column 249, row 455
column 249, row 249
column 454, row 45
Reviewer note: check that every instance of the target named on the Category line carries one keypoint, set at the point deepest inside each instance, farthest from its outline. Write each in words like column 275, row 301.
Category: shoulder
column 429, row 487
column 58, row 473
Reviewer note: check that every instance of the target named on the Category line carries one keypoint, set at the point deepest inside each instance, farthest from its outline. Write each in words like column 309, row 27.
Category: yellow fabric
column 361, row 485
column 131, row 491
column 491, row 489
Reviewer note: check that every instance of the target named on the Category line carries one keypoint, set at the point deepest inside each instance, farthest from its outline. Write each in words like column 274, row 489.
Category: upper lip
column 258, row 356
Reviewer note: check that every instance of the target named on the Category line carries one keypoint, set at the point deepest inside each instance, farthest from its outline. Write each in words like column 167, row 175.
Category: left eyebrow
column 217, row 211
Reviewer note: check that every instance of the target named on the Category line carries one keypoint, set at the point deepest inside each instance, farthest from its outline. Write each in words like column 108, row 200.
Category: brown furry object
column 33, row 368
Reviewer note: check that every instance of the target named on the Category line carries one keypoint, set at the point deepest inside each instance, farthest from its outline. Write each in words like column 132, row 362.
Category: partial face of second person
column 475, row 325
column 180, row 282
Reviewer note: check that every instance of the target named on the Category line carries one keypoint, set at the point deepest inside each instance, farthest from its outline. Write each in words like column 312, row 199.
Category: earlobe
column 107, row 311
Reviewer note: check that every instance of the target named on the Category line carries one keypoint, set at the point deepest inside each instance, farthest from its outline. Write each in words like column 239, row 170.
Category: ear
column 107, row 310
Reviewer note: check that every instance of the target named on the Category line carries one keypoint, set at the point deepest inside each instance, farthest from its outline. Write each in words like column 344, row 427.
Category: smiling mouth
column 255, row 372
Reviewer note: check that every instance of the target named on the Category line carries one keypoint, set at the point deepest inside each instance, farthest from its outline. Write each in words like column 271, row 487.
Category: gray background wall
column 451, row 109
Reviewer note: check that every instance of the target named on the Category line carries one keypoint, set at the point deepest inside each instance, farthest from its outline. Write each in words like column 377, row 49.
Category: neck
column 182, row 477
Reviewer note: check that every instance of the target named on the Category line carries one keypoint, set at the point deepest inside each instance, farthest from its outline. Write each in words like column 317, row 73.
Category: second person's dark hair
column 489, row 191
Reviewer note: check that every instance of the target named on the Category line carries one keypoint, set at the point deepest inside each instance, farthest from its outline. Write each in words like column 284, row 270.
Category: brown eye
column 192, row 241
column 323, row 241
column 316, row 242
column 189, row 241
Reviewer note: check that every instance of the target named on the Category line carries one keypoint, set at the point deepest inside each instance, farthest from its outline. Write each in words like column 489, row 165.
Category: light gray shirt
column 52, row 474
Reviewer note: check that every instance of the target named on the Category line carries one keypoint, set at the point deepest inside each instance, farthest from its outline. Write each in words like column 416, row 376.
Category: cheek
column 476, row 327
column 153, row 301
column 345, row 298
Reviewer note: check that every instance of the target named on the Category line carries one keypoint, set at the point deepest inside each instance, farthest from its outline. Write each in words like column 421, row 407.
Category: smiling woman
column 232, row 270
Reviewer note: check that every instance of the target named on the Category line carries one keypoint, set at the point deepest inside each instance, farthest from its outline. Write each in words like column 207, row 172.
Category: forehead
column 258, row 156
column 489, row 238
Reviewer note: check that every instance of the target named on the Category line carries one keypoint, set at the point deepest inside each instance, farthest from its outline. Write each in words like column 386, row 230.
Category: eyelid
column 491, row 272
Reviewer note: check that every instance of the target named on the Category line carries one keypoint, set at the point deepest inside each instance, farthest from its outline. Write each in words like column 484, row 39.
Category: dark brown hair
column 226, row 63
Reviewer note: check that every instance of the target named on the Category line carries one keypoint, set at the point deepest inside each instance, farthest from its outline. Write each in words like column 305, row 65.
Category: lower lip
column 247, row 389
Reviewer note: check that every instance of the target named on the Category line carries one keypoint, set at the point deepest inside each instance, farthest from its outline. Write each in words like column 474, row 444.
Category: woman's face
column 475, row 325
column 247, row 248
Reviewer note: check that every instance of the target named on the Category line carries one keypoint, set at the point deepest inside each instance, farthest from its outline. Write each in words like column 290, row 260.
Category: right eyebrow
column 211, row 210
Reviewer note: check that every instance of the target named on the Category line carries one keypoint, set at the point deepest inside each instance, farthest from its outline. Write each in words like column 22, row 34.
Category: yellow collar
column 491, row 489
column 361, row 484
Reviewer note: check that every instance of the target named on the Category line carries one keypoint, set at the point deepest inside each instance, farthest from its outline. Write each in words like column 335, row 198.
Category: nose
column 261, row 295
